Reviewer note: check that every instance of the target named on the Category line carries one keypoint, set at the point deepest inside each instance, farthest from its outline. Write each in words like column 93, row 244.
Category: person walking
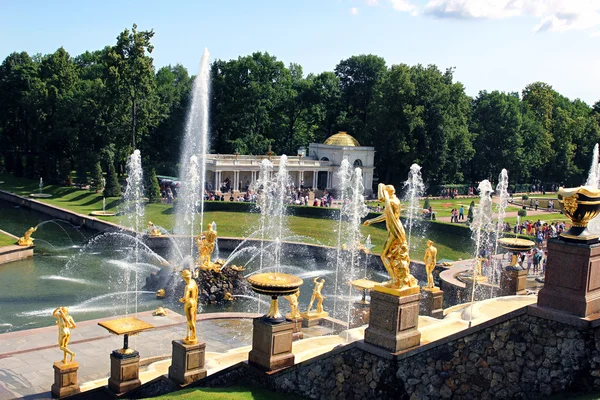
column 461, row 213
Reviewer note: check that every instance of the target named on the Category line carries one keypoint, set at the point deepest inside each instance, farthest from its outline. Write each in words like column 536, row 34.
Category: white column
column 300, row 177
column 315, row 174
column 328, row 180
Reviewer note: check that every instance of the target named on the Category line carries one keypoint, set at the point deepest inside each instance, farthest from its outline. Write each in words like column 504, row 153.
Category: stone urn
column 580, row 205
column 274, row 284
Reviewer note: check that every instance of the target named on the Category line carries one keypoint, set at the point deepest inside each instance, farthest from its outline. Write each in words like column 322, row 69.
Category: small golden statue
column 316, row 295
column 430, row 261
column 153, row 230
column 27, row 240
column 160, row 312
column 65, row 324
column 394, row 256
column 293, row 299
column 160, row 294
column 190, row 300
column 227, row 296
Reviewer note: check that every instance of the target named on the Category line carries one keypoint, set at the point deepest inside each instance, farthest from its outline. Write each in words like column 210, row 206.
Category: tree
column 153, row 194
column 131, row 78
column 112, row 188
column 81, row 172
column 97, row 178
column 358, row 76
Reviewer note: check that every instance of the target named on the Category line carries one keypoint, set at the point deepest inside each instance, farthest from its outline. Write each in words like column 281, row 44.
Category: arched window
column 357, row 163
column 324, row 159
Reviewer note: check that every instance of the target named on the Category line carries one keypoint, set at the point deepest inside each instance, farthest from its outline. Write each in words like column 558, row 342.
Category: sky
column 492, row 44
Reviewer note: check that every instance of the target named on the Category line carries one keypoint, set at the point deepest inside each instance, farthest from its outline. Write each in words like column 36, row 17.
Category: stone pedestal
column 124, row 372
column 271, row 345
column 187, row 362
column 394, row 321
column 313, row 318
column 432, row 300
column 65, row 379
column 572, row 281
column 297, row 328
column 513, row 282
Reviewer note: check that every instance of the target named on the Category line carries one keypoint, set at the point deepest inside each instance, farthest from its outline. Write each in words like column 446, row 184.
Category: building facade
column 315, row 169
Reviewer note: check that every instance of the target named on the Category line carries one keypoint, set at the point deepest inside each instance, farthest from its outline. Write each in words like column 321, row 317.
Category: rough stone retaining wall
column 526, row 354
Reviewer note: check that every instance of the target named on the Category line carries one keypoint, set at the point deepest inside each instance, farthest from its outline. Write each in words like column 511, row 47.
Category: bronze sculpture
column 430, row 261
column 394, row 255
column 190, row 300
column 65, row 324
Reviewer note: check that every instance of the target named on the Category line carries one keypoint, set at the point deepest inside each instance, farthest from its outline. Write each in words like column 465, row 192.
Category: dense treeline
column 60, row 113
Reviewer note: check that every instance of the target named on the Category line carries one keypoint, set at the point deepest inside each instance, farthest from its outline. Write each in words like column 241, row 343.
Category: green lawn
column 6, row 240
column 233, row 224
column 233, row 393
column 443, row 207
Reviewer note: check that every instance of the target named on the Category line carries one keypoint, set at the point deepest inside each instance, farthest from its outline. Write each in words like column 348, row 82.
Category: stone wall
column 519, row 355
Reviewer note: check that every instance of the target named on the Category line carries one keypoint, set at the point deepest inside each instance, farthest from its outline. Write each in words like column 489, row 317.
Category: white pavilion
column 315, row 170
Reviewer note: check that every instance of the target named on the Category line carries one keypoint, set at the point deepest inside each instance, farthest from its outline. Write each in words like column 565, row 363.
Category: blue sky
column 493, row 44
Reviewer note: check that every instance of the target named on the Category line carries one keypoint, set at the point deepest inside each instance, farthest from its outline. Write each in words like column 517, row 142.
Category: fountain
column 415, row 188
column 26, row 239
column 103, row 213
column 192, row 172
column 41, row 193
column 503, row 196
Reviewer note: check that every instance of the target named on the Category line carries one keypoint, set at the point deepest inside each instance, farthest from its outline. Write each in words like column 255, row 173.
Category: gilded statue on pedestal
column 293, row 299
column 316, row 295
column 27, row 240
column 190, row 301
column 394, row 256
column 430, row 261
column 65, row 324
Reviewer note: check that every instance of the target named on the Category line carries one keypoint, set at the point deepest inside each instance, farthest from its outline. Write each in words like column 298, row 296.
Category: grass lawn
column 233, row 224
column 443, row 207
column 233, row 393
column 6, row 240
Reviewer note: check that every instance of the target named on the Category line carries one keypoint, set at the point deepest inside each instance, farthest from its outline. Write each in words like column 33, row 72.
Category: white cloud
column 372, row 2
column 354, row 11
column 595, row 34
column 402, row 5
column 552, row 15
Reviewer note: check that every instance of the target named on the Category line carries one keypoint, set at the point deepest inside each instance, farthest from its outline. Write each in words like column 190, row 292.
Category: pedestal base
column 124, row 372
column 271, row 345
column 572, row 281
column 65, row 379
column 393, row 322
column 313, row 318
column 513, row 282
column 432, row 300
column 187, row 362
column 297, row 328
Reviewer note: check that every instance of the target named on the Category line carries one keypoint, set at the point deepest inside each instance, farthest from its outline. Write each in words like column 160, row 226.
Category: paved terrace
column 26, row 357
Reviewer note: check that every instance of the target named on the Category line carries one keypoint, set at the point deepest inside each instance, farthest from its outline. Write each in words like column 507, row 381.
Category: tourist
column 537, row 203
column 461, row 212
column 537, row 258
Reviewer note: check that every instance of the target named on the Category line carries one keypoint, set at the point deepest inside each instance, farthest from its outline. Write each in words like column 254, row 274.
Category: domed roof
column 342, row 139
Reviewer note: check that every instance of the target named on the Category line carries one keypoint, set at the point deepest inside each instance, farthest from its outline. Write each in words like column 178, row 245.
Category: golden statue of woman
column 394, row 256
column 27, row 240
column 190, row 301
column 430, row 261
column 65, row 324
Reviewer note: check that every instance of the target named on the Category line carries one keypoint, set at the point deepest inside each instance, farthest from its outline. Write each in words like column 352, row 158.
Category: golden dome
column 342, row 139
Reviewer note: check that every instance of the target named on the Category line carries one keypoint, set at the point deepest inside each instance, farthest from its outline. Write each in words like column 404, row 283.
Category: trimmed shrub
column 525, row 197
column 97, row 177
column 113, row 188
column 153, row 187
column 427, row 203
column 522, row 213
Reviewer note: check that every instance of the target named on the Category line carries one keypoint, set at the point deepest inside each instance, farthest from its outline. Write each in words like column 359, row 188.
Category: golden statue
column 293, row 299
column 153, row 230
column 394, row 256
column 316, row 295
column 160, row 312
column 430, row 261
column 160, row 294
column 205, row 243
column 227, row 296
column 27, row 240
column 190, row 300
column 65, row 324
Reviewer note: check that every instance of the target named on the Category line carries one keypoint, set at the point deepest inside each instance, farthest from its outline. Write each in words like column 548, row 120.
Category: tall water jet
column 593, row 178
column 503, row 196
column 133, row 206
column 344, row 175
column 480, row 230
column 415, row 188
column 192, row 170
